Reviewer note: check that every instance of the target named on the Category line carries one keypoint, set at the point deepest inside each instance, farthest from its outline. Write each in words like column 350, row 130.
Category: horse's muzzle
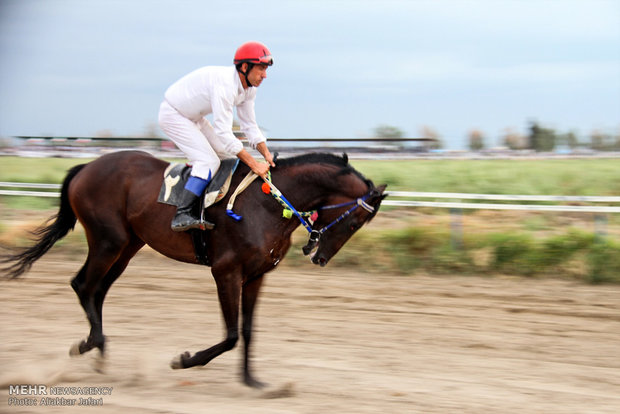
column 318, row 259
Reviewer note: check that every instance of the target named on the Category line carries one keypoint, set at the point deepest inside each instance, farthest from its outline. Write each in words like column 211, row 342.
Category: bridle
column 307, row 218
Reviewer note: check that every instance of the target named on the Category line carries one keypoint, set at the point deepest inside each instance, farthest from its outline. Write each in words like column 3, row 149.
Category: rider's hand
column 262, row 148
column 269, row 158
column 260, row 168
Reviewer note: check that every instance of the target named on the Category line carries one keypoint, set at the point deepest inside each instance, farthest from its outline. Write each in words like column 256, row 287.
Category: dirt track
column 326, row 341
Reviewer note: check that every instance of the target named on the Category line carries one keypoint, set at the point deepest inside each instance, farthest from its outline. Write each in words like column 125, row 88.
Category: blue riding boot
column 184, row 220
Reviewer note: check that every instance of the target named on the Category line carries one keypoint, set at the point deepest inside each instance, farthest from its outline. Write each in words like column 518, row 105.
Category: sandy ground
column 326, row 341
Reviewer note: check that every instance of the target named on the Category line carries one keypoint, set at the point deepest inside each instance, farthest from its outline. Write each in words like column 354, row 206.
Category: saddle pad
column 176, row 175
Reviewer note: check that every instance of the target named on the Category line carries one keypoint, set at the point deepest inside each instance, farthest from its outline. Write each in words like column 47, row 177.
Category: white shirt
column 216, row 90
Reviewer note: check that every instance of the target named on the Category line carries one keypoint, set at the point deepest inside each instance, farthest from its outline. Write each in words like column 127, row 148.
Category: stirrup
column 187, row 222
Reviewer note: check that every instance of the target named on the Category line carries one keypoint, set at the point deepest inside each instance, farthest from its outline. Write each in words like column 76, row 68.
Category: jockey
column 215, row 90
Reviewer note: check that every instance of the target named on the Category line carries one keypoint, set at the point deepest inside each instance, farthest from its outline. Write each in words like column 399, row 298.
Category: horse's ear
column 275, row 157
column 345, row 157
column 378, row 192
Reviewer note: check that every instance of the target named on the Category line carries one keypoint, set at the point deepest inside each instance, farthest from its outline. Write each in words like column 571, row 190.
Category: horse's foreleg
column 229, row 292
column 249, row 296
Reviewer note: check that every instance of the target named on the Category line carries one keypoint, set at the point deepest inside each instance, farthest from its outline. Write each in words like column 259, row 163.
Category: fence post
column 600, row 227
column 456, row 228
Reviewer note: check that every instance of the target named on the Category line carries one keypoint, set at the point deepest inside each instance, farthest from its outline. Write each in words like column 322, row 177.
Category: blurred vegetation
column 573, row 254
column 598, row 176
column 476, row 140
column 544, row 139
column 409, row 241
column 523, row 176
column 388, row 131
column 538, row 138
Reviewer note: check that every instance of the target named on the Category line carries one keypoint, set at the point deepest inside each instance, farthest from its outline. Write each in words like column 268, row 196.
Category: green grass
column 36, row 170
column 531, row 177
column 546, row 177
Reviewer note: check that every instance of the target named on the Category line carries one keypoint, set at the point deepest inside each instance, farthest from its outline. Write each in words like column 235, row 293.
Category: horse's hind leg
column 91, row 284
column 115, row 271
column 84, row 293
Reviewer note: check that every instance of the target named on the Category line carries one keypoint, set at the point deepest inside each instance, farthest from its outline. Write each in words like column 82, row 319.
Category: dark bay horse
column 115, row 200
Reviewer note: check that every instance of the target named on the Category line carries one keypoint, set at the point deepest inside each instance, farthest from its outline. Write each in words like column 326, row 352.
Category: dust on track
column 325, row 339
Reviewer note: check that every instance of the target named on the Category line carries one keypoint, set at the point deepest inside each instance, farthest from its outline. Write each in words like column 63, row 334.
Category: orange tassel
column 266, row 189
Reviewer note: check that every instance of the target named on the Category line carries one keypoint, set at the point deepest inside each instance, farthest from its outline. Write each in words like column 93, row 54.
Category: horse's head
column 332, row 240
column 353, row 202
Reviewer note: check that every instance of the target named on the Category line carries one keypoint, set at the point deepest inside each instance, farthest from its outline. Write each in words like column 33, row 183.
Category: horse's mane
column 314, row 158
column 324, row 158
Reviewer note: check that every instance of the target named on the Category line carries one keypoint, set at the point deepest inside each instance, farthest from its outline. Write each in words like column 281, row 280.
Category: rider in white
column 215, row 90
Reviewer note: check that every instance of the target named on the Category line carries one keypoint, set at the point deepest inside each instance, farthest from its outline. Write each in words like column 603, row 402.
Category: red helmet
column 253, row 52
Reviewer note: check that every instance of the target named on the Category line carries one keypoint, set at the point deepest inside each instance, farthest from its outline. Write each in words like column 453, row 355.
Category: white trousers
column 196, row 139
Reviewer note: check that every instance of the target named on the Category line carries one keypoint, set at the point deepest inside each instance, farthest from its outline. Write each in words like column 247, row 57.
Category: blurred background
column 443, row 101
column 495, row 124
column 499, row 98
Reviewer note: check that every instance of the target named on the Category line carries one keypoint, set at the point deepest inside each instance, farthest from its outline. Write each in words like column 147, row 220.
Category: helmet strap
column 250, row 66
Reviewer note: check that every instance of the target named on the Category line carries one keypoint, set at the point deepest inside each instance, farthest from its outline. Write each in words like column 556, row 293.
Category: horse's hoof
column 254, row 383
column 177, row 362
column 75, row 349
column 99, row 364
column 285, row 391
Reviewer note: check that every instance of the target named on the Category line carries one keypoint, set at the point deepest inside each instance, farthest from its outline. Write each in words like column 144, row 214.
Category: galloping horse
column 115, row 200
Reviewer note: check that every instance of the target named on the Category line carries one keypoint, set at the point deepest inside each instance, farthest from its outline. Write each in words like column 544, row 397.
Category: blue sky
column 75, row 68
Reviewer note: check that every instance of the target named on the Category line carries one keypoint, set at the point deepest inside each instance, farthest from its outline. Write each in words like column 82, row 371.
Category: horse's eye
column 353, row 227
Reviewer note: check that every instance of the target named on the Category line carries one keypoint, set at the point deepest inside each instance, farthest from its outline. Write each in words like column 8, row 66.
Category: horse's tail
column 45, row 236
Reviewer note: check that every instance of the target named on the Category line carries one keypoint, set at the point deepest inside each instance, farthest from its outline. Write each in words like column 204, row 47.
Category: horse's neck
column 309, row 185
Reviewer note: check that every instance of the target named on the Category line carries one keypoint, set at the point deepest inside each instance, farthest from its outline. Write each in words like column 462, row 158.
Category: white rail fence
column 414, row 203
column 489, row 206
column 456, row 224
column 29, row 193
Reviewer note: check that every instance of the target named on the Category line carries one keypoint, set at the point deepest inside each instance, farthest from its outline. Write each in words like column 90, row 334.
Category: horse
column 115, row 199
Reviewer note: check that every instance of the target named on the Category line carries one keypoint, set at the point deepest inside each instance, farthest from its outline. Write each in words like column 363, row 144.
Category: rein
column 315, row 235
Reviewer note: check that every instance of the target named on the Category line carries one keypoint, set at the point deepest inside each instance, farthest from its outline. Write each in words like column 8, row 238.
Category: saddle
column 174, row 179
column 176, row 175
